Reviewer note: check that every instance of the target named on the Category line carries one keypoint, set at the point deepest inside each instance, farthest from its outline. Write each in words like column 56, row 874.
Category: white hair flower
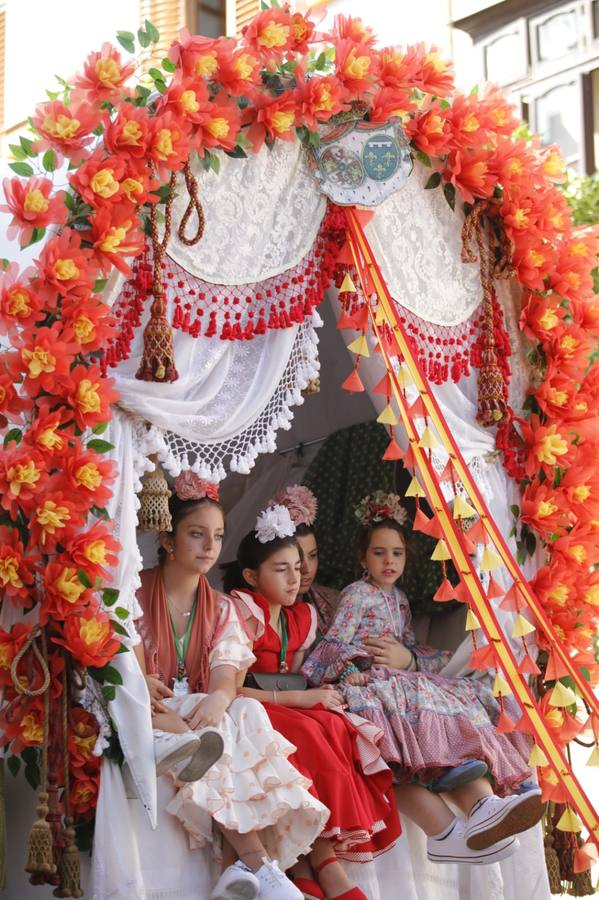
column 274, row 522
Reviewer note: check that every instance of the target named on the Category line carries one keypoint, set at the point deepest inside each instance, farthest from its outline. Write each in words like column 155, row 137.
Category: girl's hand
column 327, row 695
column 358, row 679
column 209, row 711
column 387, row 651
column 158, row 692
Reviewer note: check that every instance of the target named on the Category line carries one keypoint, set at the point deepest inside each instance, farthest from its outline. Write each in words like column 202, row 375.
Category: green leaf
column 110, row 596
column 100, row 428
column 17, row 151
column 49, row 161
column 156, row 74
column 37, row 235
column 237, row 153
column 127, row 40
column 27, row 146
column 84, row 578
column 424, row 158
column 32, row 774
column 112, row 675
column 515, row 510
column 118, row 628
column 152, row 31
column 168, row 66
column 15, row 434
column 100, row 446
column 449, row 193
column 5, row 264
column 30, row 756
column 433, row 182
column 99, row 512
column 99, row 285
column 121, row 612
column 214, row 163
column 143, row 37
column 531, row 543
column 13, row 764
column 109, row 692
column 21, row 168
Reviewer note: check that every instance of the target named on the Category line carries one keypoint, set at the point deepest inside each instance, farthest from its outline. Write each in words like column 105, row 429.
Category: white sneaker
column 497, row 818
column 274, row 884
column 453, row 849
column 236, row 883
column 189, row 755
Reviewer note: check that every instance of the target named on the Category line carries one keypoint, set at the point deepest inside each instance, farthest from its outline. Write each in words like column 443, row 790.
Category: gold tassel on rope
column 40, row 852
column 69, row 865
column 153, row 512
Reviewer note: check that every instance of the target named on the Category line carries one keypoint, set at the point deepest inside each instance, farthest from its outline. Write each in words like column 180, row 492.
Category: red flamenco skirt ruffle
column 364, row 820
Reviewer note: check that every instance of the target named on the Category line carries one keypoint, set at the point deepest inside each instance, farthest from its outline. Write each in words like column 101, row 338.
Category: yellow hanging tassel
column 387, row 416
column 153, row 514
column 562, row 695
column 593, row 759
column 552, row 865
column 441, row 552
column 522, row 627
column 472, row 622
column 461, row 509
column 40, row 855
column 359, row 346
column 489, row 561
column 69, row 866
column 428, row 440
column 415, row 489
column 501, row 686
column 569, row 821
column 347, row 285
column 537, row 757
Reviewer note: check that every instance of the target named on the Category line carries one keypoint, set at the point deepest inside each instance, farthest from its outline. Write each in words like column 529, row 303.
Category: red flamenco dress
column 333, row 751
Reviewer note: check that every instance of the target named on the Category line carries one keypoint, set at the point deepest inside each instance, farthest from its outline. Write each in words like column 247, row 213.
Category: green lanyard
column 181, row 646
column 284, row 642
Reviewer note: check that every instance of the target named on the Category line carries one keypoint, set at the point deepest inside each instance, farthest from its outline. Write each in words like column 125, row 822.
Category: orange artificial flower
column 55, row 519
column 239, row 73
column 470, row 173
column 272, row 119
column 66, row 129
column 17, row 570
column 20, row 305
column 104, row 75
column 47, row 432
column 353, row 29
column 571, row 276
column 555, row 585
column 45, row 359
column 399, row 68
column 436, row 75
column 89, row 637
column 25, row 726
column 84, row 794
column 356, row 67
column 542, row 317
column 89, row 476
column 169, row 144
column 128, row 134
column 543, row 508
column 90, row 395
column 570, row 349
column 83, row 734
column 95, row 550
column 64, row 593
column 546, row 447
column 98, row 179
column 88, row 322
column 579, row 547
column 318, row 99
column 302, row 33
column 556, row 394
column 389, row 102
column 499, row 113
column 533, row 261
column 512, row 163
column 270, row 34
column 22, row 477
column 197, row 56
column 185, row 99
column 431, row 131
column 585, row 313
column 115, row 235
column 470, row 127
column 10, row 643
column 65, row 268
column 551, row 165
column 219, row 124
column 32, row 205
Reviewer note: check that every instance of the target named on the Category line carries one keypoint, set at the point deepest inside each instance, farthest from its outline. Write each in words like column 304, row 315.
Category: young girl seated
column 331, row 751
column 193, row 651
column 432, row 725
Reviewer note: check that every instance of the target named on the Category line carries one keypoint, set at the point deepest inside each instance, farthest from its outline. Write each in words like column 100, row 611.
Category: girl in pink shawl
column 194, row 652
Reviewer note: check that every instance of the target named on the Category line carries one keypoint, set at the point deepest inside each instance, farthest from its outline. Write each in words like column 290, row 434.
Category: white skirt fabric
column 252, row 787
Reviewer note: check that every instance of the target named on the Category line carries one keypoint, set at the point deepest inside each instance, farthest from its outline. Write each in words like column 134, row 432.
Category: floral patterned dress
column 430, row 723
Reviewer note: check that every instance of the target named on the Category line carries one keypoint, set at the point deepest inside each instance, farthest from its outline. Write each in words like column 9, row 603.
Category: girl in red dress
column 331, row 751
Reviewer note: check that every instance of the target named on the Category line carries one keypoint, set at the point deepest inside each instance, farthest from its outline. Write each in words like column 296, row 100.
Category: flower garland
column 122, row 144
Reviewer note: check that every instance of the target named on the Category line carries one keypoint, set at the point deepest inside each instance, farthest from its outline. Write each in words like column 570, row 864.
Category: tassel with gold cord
column 69, row 867
column 153, row 512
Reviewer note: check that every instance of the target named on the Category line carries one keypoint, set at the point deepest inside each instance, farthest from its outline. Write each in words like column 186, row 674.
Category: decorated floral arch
column 132, row 155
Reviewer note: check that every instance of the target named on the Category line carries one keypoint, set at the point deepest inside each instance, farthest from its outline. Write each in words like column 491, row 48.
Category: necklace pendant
column 283, row 668
column 186, row 615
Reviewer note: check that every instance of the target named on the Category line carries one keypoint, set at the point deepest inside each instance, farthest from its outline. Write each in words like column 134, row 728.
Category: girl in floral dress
column 431, row 724
column 194, row 653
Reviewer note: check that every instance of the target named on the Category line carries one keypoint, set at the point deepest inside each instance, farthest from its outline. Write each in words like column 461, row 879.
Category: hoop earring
column 171, row 555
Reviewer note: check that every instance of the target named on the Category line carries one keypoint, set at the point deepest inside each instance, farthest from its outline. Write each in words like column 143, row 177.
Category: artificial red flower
column 83, row 795
column 554, row 585
column 499, row 112
column 272, row 118
column 270, row 34
column 470, row 125
column 185, row 99
column 585, row 313
column 551, row 164
column 436, row 75
column 512, row 162
column 128, row 134
column 104, row 75
column 64, row 593
column 219, row 125
column 94, row 550
column 571, row 276
column 66, row 129
column 197, row 56
column 579, row 547
column 89, row 637
column 239, row 73
column 570, row 349
column 399, row 68
column 20, row 305
column 556, row 394
column 302, row 32
column 89, row 476
column 543, row 508
column 47, row 432
column 351, row 28
column 98, row 179
column 431, row 131
column 563, row 726
column 542, row 316
column 45, row 360
column 356, row 67
column 533, row 261
column 169, row 144
column 114, row 235
column 25, row 726
column 90, row 395
column 11, row 404
column 83, row 734
column 318, row 99
column 88, row 322
column 31, row 205
column 518, row 215
column 546, row 447
column 389, row 102
column 11, row 642
column 22, row 477
column 65, row 268
column 54, row 520
column 470, row 173
column 17, row 570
